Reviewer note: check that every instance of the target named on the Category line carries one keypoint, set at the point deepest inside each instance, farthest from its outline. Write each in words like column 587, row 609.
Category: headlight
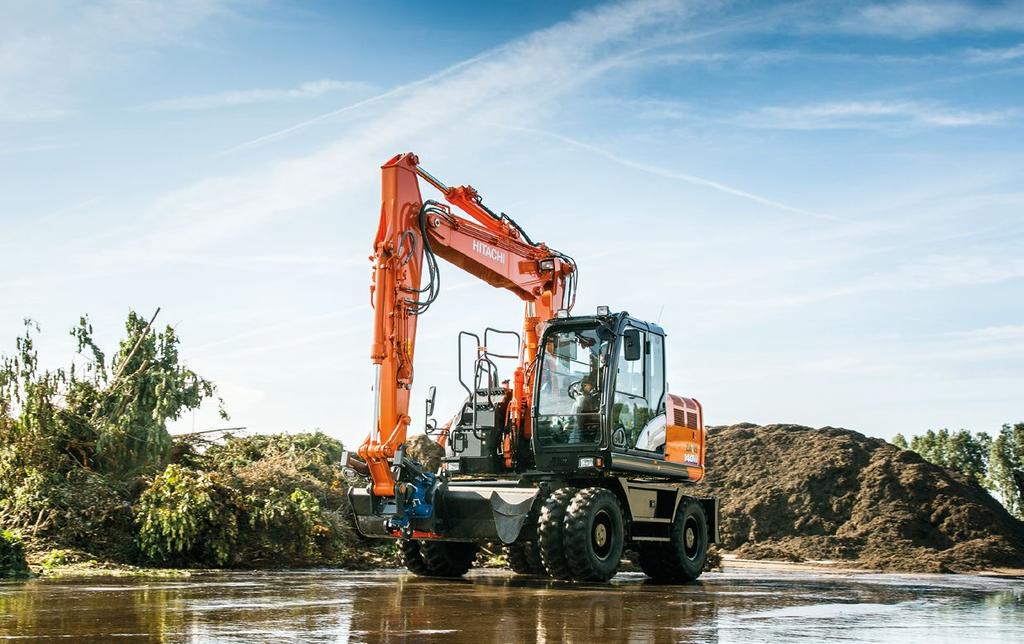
column 586, row 461
column 452, row 466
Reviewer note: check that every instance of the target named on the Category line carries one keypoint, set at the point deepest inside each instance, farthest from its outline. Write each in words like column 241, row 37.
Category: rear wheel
column 551, row 533
column 682, row 558
column 594, row 535
column 439, row 558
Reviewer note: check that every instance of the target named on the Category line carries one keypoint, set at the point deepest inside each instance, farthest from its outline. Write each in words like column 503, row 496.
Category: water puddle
column 738, row 605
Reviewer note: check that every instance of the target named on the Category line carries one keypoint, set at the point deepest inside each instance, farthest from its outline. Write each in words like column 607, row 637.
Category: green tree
column 145, row 388
column 72, row 439
column 961, row 451
column 1006, row 468
column 995, row 463
column 968, row 454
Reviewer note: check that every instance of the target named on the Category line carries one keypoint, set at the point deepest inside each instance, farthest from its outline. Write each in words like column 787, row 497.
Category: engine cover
column 685, row 438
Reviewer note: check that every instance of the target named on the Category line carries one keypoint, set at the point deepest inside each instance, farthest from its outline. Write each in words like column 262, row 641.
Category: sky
column 821, row 202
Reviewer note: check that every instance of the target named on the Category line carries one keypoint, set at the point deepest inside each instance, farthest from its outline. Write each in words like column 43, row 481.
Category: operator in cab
column 570, row 393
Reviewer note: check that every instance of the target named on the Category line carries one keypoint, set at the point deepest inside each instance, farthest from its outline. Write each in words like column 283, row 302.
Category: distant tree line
column 995, row 463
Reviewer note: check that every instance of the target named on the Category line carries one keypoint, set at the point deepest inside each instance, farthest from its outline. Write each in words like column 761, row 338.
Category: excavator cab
column 601, row 401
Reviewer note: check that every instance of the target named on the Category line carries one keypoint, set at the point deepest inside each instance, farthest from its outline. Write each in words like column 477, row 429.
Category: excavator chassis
column 508, row 511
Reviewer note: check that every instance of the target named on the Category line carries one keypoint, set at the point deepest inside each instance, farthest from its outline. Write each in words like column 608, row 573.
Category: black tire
column 533, row 556
column 551, row 533
column 649, row 557
column 439, row 558
column 682, row 558
column 517, row 560
column 594, row 534
column 524, row 558
column 412, row 557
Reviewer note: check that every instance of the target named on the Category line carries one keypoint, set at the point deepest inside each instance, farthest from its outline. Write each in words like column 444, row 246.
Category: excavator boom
column 411, row 234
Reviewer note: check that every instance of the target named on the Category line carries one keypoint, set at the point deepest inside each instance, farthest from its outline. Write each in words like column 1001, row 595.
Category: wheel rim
column 601, row 535
column 691, row 538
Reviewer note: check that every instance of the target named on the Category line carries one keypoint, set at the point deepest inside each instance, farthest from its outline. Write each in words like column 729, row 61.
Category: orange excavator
column 580, row 456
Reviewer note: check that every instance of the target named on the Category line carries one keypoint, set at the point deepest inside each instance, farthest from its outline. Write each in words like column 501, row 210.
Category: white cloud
column 931, row 272
column 14, row 111
column 312, row 262
column 918, row 19
column 670, row 173
column 48, row 46
column 510, row 84
column 989, row 334
column 879, row 115
column 942, row 271
column 995, row 55
column 394, row 92
column 32, row 147
column 312, row 89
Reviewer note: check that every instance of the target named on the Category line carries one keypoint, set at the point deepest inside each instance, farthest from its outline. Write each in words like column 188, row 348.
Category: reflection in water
column 493, row 606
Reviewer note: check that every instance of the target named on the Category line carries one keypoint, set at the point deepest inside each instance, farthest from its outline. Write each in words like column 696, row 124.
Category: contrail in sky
column 672, row 174
column 394, row 91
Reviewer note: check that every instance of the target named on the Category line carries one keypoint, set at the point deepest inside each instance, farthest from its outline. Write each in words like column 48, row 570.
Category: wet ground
column 740, row 605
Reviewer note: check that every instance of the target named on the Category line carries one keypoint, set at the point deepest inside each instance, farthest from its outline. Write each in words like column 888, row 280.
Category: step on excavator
column 580, row 456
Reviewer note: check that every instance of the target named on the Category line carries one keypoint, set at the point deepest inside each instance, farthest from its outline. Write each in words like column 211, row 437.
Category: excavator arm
column 412, row 233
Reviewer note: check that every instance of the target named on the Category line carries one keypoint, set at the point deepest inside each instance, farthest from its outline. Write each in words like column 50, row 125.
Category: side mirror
column 631, row 345
column 431, row 396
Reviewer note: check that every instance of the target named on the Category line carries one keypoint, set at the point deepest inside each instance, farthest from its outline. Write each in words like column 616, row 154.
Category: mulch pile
column 425, row 451
column 798, row 494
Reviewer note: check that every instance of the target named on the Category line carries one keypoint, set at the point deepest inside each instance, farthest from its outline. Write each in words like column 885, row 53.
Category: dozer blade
column 462, row 512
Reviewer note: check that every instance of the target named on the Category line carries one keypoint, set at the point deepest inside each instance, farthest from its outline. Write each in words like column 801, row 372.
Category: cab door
column 637, row 418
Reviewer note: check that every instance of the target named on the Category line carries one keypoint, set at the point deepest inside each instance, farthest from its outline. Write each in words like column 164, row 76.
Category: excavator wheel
column 524, row 558
column 412, row 557
column 551, row 533
column 594, row 534
column 682, row 558
column 536, row 562
column 438, row 558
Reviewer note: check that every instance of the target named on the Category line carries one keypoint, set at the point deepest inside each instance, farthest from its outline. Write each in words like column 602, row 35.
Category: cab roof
column 617, row 321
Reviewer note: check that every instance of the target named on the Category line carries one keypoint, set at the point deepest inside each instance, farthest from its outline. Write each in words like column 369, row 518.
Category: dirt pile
column 425, row 451
column 797, row 493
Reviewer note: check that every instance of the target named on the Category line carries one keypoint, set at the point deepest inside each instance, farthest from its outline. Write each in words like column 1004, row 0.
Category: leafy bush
column 12, row 556
column 315, row 453
column 87, row 465
column 79, row 509
column 59, row 557
column 186, row 516
column 262, row 500
column 73, row 441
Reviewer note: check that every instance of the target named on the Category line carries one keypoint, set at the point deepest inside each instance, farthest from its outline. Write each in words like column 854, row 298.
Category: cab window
column 639, row 390
column 570, row 391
